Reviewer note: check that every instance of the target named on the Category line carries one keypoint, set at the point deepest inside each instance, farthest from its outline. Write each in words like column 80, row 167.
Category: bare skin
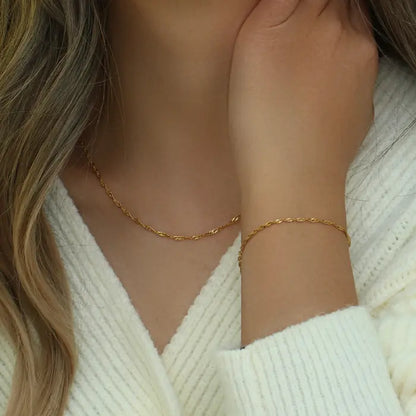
column 172, row 163
column 162, row 277
column 174, row 87
column 301, row 103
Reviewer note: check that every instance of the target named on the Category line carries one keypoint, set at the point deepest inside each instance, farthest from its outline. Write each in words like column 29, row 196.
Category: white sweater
column 357, row 361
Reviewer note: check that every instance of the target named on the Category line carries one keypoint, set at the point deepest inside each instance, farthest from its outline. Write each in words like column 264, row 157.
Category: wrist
column 264, row 204
column 295, row 181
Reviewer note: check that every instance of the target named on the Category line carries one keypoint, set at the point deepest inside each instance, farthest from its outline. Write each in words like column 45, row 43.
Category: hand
column 301, row 92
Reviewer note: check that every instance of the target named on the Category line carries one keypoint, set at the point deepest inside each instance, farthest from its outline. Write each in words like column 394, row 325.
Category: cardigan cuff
column 329, row 365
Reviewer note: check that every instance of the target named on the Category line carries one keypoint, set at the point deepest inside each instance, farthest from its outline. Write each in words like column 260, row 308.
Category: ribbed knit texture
column 356, row 361
column 329, row 365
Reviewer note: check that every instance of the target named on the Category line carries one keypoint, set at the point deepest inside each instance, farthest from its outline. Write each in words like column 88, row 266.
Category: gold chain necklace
column 127, row 213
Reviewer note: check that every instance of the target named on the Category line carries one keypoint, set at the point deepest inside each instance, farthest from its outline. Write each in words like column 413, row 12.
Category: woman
column 186, row 115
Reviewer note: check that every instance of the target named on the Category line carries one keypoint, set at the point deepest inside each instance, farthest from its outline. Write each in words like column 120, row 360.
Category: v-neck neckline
column 227, row 261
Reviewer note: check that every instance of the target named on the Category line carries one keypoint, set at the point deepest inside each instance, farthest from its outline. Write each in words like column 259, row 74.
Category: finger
column 271, row 13
column 360, row 17
column 337, row 9
column 312, row 7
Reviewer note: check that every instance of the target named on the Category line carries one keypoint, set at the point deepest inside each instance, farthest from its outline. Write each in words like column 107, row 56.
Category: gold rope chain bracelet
column 289, row 220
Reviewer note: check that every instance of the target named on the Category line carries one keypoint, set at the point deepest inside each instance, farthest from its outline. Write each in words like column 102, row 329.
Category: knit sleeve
column 347, row 362
column 7, row 362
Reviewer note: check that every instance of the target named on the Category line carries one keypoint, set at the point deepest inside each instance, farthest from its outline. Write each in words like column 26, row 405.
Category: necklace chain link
column 147, row 227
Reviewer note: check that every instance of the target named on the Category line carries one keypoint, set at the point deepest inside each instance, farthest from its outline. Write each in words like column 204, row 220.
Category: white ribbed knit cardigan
column 357, row 361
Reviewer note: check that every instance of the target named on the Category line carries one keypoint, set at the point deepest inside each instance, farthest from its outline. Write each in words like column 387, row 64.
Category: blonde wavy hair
column 54, row 83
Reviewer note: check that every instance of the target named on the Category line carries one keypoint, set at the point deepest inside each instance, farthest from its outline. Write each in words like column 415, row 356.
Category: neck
column 170, row 132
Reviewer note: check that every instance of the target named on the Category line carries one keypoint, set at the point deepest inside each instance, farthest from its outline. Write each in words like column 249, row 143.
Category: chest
column 162, row 277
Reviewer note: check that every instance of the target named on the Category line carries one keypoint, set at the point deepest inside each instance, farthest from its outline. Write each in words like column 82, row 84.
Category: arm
column 301, row 102
column 301, row 95
column 292, row 272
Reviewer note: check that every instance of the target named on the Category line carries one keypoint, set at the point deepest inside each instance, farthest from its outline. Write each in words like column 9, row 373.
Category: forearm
column 292, row 272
